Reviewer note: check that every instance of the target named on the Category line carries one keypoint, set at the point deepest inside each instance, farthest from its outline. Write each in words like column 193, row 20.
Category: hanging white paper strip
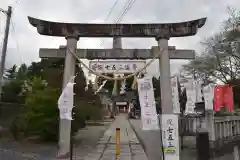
column 65, row 102
column 208, row 93
column 175, row 95
column 191, row 97
column 123, row 87
column 147, row 102
column 198, row 88
column 170, row 136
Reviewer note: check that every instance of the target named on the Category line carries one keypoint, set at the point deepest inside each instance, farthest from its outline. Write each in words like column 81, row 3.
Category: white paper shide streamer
column 123, row 87
column 191, row 97
column 198, row 87
column 194, row 95
column 147, row 102
column 65, row 102
column 208, row 93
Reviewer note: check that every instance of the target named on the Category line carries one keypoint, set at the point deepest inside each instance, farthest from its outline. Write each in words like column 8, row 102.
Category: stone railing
column 225, row 128
column 190, row 124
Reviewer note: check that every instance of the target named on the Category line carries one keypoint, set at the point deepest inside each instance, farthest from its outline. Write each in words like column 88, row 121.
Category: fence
column 190, row 124
column 224, row 131
column 227, row 127
column 224, row 127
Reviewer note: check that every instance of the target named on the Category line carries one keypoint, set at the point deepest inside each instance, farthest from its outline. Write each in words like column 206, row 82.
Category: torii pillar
column 69, row 72
column 162, row 32
column 165, row 76
column 117, row 44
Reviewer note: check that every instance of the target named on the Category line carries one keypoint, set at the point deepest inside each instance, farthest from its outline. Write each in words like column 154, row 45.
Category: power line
column 125, row 11
column 17, row 44
column 109, row 13
column 127, row 6
column 111, row 10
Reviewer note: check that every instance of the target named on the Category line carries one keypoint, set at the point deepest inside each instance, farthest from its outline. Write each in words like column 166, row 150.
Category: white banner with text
column 147, row 102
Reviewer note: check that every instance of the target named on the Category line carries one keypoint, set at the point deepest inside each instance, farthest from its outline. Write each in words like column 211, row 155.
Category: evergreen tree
column 22, row 72
column 90, row 86
column 156, row 86
column 35, row 69
column 12, row 88
column 11, row 72
column 129, row 81
column 81, row 83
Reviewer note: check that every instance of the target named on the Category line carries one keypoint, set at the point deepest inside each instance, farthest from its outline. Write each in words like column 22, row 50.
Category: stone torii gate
column 117, row 53
column 73, row 31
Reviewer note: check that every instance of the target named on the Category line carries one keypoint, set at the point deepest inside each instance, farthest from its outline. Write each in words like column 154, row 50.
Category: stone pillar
column 65, row 125
column 236, row 153
column 165, row 77
column 117, row 44
column 165, row 84
column 209, row 123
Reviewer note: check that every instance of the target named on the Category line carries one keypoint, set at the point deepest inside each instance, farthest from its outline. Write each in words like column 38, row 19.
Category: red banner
column 228, row 98
column 223, row 97
column 218, row 96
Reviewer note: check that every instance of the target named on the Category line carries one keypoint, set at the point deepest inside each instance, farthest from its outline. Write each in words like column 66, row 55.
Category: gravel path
column 84, row 142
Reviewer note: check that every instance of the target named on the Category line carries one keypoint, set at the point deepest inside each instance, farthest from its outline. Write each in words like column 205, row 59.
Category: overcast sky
column 24, row 41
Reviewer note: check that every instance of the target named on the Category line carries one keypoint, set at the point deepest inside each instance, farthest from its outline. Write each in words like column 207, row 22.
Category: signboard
column 121, row 103
column 175, row 95
column 170, row 136
column 181, row 29
column 147, row 102
column 116, row 66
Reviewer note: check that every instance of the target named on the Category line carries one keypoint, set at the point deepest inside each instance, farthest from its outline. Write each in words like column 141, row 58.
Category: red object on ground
column 223, row 97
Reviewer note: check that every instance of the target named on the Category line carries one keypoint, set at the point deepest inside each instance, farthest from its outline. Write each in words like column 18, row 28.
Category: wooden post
column 117, row 141
column 202, row 145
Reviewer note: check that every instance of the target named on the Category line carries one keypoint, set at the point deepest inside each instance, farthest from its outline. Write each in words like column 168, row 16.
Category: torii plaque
column 73, row 31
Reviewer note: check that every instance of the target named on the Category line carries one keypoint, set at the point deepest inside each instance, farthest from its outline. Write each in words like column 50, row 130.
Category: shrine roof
column 181, row 29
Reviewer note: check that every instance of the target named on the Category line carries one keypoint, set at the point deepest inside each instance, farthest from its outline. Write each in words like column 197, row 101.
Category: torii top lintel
column 188, row 28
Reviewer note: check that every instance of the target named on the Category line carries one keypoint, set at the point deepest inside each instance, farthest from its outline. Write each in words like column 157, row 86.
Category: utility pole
column 5, row 43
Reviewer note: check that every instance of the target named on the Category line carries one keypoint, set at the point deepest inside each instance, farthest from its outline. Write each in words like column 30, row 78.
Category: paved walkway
column 130, row 149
